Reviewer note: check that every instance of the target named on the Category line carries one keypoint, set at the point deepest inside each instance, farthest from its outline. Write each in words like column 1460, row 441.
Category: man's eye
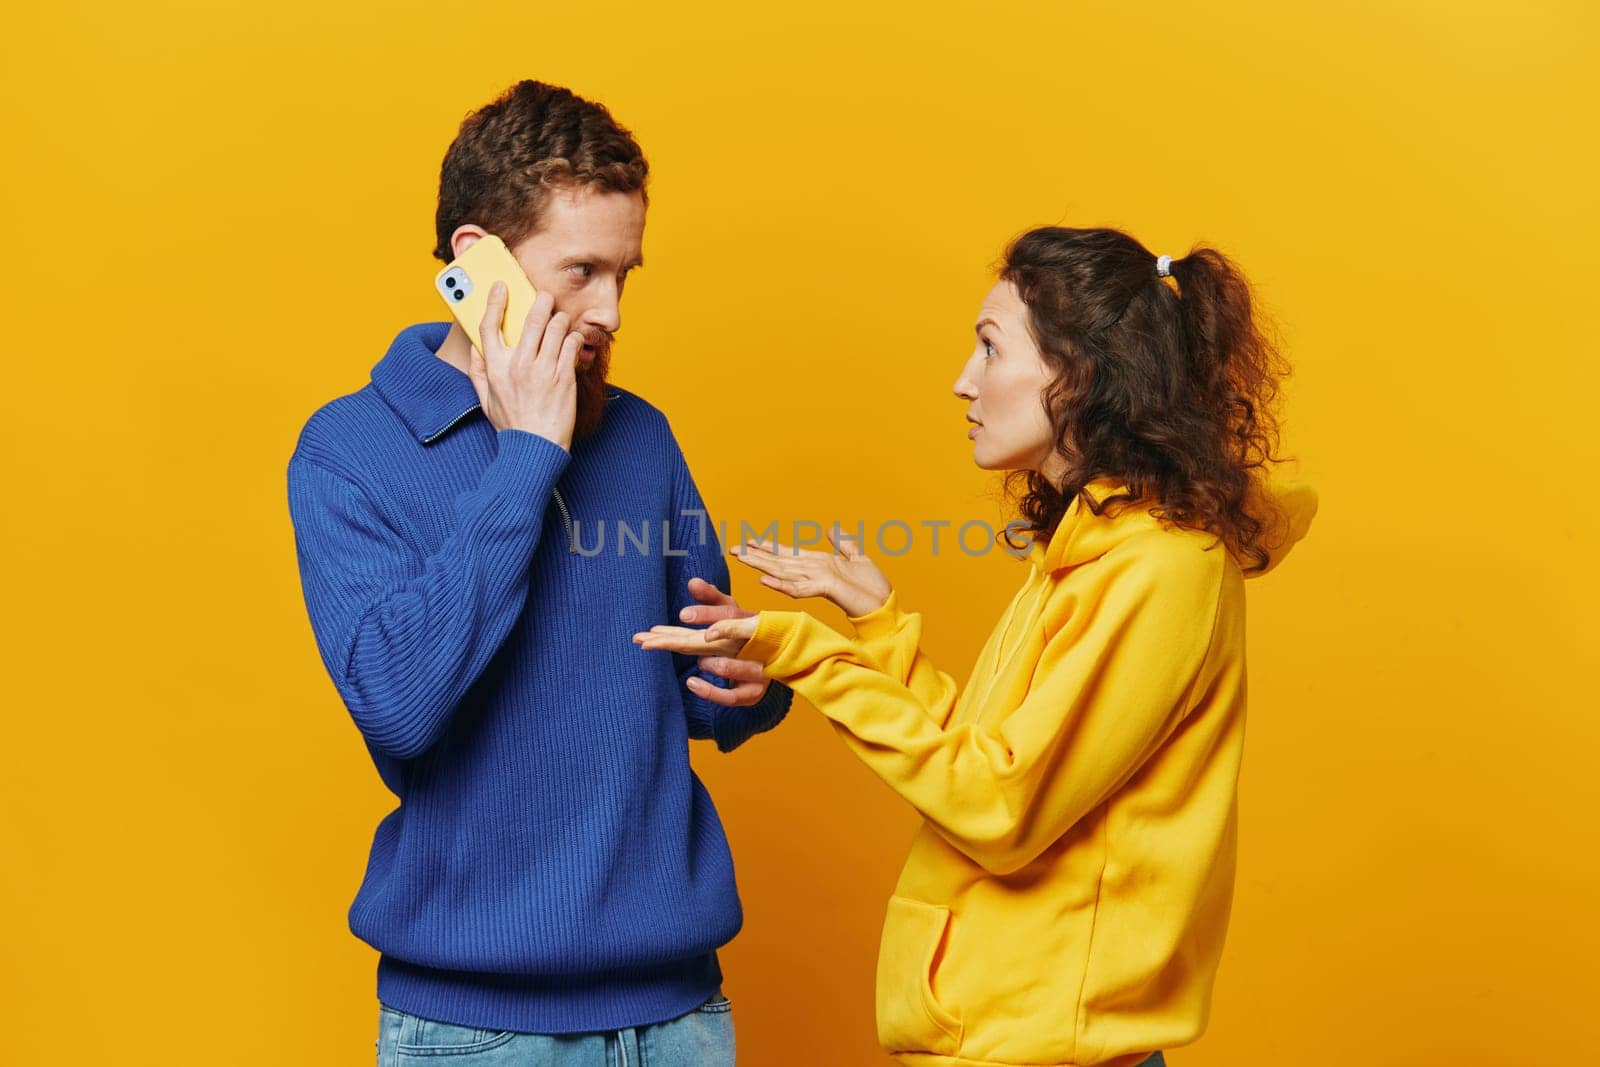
column 585, row 269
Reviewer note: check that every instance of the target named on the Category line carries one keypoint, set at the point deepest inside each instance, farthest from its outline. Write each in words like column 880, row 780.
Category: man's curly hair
column 509, row 155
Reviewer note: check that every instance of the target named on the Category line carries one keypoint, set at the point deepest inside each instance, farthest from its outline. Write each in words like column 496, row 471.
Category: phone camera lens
column 458, row 294
column 451, row 282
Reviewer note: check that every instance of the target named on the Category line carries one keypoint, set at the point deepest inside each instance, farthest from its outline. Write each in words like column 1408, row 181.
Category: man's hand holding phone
column 533, row 386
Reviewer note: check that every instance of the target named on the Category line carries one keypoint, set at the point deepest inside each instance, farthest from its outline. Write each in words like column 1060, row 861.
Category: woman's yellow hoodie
column 1066, row 897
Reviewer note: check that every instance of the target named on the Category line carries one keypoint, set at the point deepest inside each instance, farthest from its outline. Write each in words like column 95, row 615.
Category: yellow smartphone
column 464, row 285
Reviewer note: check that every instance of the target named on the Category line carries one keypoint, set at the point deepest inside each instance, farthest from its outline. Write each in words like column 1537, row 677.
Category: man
column 555, row 882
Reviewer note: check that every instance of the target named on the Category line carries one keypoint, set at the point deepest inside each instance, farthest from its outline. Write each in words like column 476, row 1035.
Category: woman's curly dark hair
column 1169, row 387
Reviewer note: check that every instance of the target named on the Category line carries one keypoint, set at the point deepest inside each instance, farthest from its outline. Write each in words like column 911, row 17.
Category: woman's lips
column 974, row 431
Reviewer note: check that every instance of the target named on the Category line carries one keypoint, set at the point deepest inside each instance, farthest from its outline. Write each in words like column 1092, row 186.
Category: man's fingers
column 734, row 670
column 568, row 358
column 494, row 310
column 707, row 593
column 742, row 695
column 478, row 372
column 707, row 614
column 533, row 326
column 715, row 605
column 555, row 335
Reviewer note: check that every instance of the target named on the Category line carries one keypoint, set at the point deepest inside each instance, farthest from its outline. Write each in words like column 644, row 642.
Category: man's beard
column 591, row 382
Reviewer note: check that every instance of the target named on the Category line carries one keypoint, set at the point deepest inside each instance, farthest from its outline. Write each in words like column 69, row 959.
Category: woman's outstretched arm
column 1115, row 678
column 892, row 637
column 852, row 582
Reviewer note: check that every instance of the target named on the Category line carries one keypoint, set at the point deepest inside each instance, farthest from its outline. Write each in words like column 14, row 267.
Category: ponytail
column 1231, row 363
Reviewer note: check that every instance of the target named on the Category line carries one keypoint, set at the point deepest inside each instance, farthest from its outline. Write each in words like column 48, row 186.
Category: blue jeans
column 702, row 1038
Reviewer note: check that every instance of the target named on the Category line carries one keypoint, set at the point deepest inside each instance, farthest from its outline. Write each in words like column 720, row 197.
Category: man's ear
column 465, row 237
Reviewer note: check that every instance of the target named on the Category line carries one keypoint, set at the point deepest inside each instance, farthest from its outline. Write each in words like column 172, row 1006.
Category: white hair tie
column 1164, row 266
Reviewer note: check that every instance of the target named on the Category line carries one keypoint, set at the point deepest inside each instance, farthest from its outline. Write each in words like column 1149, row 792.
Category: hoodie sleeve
column 1111, row 684
column 893, row 637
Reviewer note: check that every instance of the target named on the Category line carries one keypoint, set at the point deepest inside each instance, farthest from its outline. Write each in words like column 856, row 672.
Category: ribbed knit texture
column 554, row 865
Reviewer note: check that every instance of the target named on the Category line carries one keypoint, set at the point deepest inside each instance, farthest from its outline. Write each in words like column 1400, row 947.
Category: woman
column 1066, row 897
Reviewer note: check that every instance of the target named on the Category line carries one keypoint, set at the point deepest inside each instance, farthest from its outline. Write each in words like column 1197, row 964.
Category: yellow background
column 187, row 807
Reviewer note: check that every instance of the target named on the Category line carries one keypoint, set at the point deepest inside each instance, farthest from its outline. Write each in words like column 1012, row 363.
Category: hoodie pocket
column 910, row 1017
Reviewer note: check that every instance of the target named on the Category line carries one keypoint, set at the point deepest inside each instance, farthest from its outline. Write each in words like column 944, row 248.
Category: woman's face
column 1003, row 384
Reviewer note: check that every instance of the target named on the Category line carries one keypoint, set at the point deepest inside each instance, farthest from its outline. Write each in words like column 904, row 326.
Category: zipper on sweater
column 435, row 435
column 566, row 519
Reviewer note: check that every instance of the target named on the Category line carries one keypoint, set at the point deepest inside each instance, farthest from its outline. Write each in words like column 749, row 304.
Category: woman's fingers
column 779, row 550
column 798, row 577
column 740, row 629
column 785, row 586
column 682, row 639
column 783, row 551
column 783, row 565
column 848, row 547
column 677, row 635
column 763, row 562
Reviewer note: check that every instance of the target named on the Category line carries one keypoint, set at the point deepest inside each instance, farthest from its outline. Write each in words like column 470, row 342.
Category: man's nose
column 605, row 315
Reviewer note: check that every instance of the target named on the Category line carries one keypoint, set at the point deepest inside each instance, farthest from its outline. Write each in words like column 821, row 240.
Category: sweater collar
column 428, row 394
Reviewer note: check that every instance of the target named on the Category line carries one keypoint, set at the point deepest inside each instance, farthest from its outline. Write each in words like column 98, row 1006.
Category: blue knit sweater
column 554, row 864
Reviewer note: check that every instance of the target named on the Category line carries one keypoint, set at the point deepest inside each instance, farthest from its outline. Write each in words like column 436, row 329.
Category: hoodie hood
column 1286, row 506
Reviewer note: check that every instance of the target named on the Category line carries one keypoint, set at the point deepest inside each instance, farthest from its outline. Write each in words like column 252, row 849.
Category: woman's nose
column 964, row 387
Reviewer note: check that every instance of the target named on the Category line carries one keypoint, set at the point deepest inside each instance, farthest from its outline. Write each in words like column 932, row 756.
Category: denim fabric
column 702, row 1038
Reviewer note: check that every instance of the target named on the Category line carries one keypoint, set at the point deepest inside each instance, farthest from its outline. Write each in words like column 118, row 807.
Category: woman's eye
column 988, row 349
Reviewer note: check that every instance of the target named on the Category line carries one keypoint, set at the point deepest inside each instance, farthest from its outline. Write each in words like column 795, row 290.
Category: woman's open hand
column 846, row 577
column 723, row 638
